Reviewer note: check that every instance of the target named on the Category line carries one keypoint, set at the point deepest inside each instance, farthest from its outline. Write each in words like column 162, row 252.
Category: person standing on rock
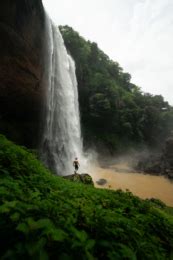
column 76, row 165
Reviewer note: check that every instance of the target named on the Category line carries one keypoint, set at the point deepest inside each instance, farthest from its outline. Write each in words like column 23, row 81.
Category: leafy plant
column 43, row 216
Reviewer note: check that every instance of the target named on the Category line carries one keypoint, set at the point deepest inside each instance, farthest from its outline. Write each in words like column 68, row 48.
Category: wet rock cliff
column 22, row 26
column 159, row 164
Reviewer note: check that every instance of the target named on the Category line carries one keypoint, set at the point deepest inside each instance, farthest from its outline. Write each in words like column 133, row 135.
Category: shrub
column 43, row 216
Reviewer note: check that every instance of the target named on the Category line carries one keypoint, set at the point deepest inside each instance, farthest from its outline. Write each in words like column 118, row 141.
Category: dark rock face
column 167, row 158
column 159, row 164
column 151, row 164
column 21, row 69
column 83, row 178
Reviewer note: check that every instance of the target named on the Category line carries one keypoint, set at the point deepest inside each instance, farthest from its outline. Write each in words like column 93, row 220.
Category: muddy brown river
column 120, row 176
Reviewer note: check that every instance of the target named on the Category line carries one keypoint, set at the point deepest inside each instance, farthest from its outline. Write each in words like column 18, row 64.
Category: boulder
column 83, row 178
column 167, row 158
column 101, row 182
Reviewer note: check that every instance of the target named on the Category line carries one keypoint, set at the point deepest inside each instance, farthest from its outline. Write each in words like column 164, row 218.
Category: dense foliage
column 113, row 110
column 46, row 217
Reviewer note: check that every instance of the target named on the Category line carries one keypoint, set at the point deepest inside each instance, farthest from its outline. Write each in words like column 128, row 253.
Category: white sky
column 138, row 34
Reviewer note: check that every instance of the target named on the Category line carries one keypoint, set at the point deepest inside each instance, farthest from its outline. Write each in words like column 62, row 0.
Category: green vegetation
column 80, row 178
column 114, row 111
column 43, row 216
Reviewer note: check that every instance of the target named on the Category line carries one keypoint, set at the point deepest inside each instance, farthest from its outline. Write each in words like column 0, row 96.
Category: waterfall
column 62, row 134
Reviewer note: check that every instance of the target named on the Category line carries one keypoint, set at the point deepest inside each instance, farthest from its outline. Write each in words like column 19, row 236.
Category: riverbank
column 121, row 176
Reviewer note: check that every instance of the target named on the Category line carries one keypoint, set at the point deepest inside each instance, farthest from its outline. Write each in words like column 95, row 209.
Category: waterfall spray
column 62, row 134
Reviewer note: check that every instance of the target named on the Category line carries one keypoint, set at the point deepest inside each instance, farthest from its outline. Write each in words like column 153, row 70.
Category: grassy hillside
column 46, row 217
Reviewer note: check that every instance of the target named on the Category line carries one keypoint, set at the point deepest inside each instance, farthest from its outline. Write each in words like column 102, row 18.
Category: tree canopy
column 113, row 110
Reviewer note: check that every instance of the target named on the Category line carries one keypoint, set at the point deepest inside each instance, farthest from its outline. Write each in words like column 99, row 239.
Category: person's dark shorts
column 76, row 167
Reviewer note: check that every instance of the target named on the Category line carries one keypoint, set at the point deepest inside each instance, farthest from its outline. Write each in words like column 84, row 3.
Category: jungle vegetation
column 114, row 111
column 43, row 216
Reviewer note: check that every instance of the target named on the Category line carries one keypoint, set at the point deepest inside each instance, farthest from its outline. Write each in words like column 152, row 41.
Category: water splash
column 62, row 135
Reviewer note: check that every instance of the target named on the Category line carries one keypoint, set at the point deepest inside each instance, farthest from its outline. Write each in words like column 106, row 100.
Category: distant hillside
column 114, row 112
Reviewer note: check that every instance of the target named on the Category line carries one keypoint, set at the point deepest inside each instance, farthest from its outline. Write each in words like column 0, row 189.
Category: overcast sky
column 138, row 34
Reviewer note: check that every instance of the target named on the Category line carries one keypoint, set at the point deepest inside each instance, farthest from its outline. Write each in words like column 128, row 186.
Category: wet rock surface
column 21, row 69
column 168, row 158
column 101, row 182
column 160, row 164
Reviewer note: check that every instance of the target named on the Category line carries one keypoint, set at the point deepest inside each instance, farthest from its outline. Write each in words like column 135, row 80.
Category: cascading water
column 62, row 135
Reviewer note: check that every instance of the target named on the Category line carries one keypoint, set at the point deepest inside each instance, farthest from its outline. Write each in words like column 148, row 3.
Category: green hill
column 114, row 112
column 43, row 216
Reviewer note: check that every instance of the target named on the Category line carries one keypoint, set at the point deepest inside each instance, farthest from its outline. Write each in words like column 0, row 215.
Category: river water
column 121, row 176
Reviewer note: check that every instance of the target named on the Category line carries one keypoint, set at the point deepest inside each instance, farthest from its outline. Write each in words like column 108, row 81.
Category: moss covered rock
column 82, row 178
